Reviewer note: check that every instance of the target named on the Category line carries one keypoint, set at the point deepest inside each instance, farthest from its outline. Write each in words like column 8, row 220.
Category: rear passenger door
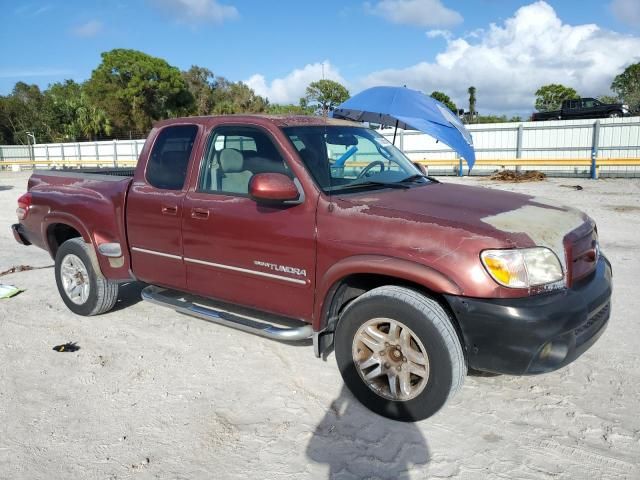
column 237, row 250
column 154, row 208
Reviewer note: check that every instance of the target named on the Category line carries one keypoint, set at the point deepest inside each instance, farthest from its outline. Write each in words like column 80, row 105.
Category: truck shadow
column 128, row 294
column 357, row 443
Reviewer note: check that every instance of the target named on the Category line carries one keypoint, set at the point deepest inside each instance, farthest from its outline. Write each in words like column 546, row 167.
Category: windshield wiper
column 372, row 183
column 417, row 176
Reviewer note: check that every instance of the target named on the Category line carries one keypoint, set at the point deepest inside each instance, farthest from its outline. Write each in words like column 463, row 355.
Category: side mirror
column 273, row 188
column 422, row 168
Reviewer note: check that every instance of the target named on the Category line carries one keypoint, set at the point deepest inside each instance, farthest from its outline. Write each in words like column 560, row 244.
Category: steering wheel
column 369, row 167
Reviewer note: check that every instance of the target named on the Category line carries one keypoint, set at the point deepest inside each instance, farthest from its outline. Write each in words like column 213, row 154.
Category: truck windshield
column 343, row 158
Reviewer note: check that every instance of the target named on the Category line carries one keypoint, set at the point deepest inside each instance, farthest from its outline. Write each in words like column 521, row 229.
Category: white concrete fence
column 606, row 147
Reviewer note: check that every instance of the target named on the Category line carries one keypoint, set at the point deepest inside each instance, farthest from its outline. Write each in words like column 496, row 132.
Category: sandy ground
column 155, row 394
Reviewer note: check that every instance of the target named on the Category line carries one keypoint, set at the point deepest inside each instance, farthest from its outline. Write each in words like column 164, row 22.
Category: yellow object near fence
column 452, row 163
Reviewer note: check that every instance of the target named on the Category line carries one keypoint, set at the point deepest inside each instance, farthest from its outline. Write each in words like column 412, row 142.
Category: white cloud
column 89, row 29
column 446, row 34
column 627, row 11
column 198, row 11
column 290, row 88
column 507, row 63
column 424, row 13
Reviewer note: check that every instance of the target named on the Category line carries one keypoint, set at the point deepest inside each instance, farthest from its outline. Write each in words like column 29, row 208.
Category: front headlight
column 523, row 267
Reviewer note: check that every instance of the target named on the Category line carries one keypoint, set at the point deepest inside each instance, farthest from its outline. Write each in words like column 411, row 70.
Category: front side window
column 169, row 157
column 350, row 158
column 234, row 155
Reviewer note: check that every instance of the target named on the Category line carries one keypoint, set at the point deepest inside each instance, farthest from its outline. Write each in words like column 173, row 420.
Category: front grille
column 593, row 325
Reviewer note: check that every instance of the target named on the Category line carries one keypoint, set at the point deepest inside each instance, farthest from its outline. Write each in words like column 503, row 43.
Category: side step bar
column 196, row 307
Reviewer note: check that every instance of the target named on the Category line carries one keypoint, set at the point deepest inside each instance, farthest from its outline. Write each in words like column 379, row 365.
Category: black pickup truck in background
column 584, row 108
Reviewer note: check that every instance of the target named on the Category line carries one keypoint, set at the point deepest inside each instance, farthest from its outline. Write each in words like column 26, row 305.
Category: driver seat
column 234, row 177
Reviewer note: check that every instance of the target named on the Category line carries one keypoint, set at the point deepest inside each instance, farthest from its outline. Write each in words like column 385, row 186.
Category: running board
column 197, row 307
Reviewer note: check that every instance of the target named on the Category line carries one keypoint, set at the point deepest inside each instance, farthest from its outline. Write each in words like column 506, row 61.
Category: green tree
column 496, row 119
column 550, row 97
column 326, row 95
column 290, row 109
column 201, row 84
column 627, row 86
column 135, row 89
column 608, row 99
column 71, row 115
column 444, row 98
column 92, row 121
column 23, row 110
column 236, row 97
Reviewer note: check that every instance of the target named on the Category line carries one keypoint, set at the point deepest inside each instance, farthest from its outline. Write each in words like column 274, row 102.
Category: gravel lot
column 155, row 394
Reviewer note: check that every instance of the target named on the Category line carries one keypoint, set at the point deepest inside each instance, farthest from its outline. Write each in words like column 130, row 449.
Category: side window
column 169, row 158
column 234, row 155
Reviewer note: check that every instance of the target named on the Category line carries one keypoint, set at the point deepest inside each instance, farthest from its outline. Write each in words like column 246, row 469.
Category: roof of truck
column 277, row 120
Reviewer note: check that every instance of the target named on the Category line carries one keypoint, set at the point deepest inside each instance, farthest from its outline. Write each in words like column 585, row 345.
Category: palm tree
column 91, row 120
column 472, row 101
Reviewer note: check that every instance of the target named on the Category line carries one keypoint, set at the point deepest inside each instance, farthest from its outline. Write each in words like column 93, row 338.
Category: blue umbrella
column 409, row 110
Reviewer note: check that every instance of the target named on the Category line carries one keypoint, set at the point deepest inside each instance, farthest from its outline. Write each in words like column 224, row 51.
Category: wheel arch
column 60, row 228
column 354, row 276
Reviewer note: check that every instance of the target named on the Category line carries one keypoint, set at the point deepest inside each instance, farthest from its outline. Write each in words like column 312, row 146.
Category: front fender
column 377, row 265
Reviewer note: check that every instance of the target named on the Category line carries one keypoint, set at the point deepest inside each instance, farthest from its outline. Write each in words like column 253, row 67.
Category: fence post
column 46, row 152
column 79, row 155
column 135, row 149
column 460, row 172
column 519, row 145
column 62, row 153
column 594, row 150
column 401, row 141
column 115, row 152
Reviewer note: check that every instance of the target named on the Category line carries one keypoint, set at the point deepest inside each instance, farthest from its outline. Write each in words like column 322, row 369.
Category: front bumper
column 535, row 334
column 19, row 234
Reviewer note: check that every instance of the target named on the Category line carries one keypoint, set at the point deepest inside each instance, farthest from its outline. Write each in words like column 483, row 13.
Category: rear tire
column 83, row 289
column 390, row 329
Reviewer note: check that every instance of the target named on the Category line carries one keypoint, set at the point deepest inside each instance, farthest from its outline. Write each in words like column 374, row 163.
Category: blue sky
column 277, row 47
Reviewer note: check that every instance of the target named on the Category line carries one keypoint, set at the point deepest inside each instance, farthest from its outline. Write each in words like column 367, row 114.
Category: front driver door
column 239, row 251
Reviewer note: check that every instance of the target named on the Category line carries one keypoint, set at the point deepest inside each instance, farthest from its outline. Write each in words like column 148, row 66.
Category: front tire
column 83, row 289
column 615, row 114
column 399, row 353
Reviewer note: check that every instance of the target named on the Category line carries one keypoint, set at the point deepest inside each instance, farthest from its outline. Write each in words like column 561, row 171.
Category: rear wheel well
column 57, row 234
column 351, row 287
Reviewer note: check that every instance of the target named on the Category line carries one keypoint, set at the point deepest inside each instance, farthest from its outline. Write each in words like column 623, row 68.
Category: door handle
column 171, row 210
column 201, row 213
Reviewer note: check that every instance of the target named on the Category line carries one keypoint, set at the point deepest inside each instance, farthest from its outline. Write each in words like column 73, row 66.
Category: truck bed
column 90, row 201
column 116, row 172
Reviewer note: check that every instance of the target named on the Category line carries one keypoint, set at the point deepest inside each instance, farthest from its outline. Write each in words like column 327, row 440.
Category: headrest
column 231, row 160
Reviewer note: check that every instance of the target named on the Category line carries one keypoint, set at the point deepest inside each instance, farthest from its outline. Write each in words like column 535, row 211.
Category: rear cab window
column 169, row 158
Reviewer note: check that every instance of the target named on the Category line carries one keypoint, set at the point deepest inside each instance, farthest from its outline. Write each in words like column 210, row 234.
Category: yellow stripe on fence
column 537, row 162
column 438, row 162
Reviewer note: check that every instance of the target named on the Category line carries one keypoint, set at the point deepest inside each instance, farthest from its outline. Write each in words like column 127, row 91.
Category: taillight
column 24, row 202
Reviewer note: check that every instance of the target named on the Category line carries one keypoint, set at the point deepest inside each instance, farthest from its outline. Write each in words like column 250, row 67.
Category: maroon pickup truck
column 305, row 227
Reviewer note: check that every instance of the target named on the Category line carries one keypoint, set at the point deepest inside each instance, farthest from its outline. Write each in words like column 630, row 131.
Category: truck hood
column 507, row 219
